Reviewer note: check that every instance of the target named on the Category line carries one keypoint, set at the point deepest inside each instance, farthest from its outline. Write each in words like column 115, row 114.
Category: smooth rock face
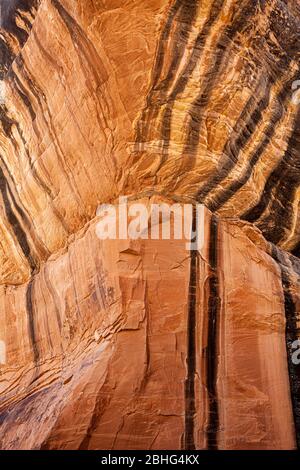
column 106, row 348
column 142, row 344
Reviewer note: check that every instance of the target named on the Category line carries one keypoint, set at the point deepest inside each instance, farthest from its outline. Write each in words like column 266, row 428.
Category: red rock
column 143, row 344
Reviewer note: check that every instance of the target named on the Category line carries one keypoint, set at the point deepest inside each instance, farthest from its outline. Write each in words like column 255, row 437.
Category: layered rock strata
column 142, row 344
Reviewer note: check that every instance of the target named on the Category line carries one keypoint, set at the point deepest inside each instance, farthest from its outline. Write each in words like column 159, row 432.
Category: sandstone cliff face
column 121, row 344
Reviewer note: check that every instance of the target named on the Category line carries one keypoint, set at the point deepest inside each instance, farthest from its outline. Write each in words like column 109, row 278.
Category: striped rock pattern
column 137, row 345
column 16, row 19
column 220, row 122
column 119, row 344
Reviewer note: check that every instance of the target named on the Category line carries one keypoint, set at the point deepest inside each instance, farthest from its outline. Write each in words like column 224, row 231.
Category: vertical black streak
column 291, row 335
column 212, row 351
column 190, row 406
column 14, row 222
column 31, row 325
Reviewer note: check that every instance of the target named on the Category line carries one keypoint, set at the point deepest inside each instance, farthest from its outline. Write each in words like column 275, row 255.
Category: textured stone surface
column 100, row 347
column 142, row 344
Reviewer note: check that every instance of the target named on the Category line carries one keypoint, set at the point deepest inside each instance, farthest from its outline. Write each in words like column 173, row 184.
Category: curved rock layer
column 142, row 344
column 220, row 122
column 16, row 20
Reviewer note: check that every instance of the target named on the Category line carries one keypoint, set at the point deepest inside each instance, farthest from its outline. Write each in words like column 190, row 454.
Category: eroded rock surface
column 143, row 344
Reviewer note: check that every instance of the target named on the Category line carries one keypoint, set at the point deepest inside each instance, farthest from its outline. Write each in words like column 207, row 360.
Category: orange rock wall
column 143, row 344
